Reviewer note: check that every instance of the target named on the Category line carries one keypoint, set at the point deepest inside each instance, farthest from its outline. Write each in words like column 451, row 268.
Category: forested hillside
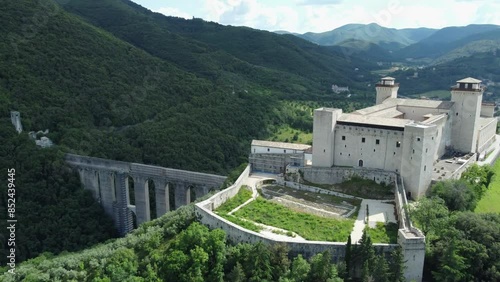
column 483, row 66
column 53, row 212
column 294, row 67
column 176, row 247
column 142, row 93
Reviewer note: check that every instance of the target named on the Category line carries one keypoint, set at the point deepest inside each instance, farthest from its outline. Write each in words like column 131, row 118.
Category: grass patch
column 280, row 232
column 288, row 134
column 308, row 226
column 243, row 195
column 489, row 201
column 383, row 233
column 359, row 187
column 243, row 223
column 313, row 197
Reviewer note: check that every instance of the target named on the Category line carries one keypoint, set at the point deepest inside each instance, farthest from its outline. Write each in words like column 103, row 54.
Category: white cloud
column 252, row 13
column 318, row 2
column 169, row 11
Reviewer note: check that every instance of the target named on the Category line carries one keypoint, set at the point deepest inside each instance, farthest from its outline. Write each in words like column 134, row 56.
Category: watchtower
column 467, row 95
column 386, row 88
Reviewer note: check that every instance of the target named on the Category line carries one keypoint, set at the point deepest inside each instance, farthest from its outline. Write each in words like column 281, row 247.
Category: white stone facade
column 404, row 135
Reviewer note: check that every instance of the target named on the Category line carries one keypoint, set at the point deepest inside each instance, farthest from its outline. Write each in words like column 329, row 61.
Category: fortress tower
column 386, row 88
column 15, row 118
column 467, row 95
column 325, row 120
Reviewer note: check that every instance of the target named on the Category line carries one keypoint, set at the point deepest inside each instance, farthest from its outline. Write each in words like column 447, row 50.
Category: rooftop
column 374, row 120
column 469, row 80
column 388, row 78
column 377, row 110
column 280, row 145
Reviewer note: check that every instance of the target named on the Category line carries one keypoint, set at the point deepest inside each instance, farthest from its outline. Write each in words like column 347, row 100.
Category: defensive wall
column 110, row 181
column 410, row 239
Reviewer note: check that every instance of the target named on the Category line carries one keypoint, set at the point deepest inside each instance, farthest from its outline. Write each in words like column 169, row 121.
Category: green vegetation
column 383, row 233
column 288, row 134
column 308, row 226
column 359, row 187
column 460, row 244
column 491, row 198
column 244, row 194
column 243, row 223
column 54, row 213
column 312, row 197
column 361, row 259
column 175, row 245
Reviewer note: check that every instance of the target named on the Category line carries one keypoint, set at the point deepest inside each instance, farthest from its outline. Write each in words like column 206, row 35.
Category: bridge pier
column 106, row 183
column 141, row 188
column 123, row 216
column 90, row 181
column 182, row 194
column 161, row 197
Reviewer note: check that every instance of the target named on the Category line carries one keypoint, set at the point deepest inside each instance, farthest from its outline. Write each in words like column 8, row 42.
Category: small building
column 278, row 157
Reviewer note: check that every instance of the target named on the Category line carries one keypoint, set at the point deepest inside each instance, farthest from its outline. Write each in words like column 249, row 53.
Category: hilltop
column 129, row 85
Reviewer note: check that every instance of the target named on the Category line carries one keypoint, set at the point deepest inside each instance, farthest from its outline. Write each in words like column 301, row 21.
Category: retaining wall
column 334, row 175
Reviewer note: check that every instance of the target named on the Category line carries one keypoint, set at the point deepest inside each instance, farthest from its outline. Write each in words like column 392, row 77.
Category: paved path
column 379, row 212
column 251, row 182
column 493, row 156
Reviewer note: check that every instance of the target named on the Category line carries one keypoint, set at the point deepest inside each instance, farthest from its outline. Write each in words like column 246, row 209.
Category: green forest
column 111, row 79
column 460, row 245
column 162, row 98
column 176, row 245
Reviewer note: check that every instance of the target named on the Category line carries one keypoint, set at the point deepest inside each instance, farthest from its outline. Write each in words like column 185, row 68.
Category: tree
column 279, row 261
column 397, row 266
column 457, row 194
column 237, row 274
column 348, row 258
column 381, row 269
column 322, row 269
column 429, row 214
column 258, row 266
column 479, row 177
column 299, row 270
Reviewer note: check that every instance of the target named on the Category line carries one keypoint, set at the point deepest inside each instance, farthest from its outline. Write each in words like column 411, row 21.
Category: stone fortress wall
column 410, row 239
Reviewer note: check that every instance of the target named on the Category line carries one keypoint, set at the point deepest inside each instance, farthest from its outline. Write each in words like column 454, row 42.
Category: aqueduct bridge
column 112, row 182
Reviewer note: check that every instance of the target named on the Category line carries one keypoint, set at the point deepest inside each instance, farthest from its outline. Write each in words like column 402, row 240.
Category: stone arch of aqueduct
column 110, row 183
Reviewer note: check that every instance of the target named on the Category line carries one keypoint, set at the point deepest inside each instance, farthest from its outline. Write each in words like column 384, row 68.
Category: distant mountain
column 448, row 39
column 387, row 38
column 363, row 49
column 208, row 48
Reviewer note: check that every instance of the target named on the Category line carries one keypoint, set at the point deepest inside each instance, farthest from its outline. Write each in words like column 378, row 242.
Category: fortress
column 406, row 136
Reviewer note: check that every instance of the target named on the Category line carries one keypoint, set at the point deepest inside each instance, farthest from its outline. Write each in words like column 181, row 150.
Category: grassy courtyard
column 243, row 195
column 384, row 233
column 308, row 226
column 489, row 201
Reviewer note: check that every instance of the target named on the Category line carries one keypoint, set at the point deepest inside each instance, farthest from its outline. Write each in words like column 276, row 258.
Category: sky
column 323, row 15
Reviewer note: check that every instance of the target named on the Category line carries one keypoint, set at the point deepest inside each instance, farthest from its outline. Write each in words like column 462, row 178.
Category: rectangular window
column 343, row 137
column 418, row 138
column 398, row 144
column 377, row 141
column 363, row 140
